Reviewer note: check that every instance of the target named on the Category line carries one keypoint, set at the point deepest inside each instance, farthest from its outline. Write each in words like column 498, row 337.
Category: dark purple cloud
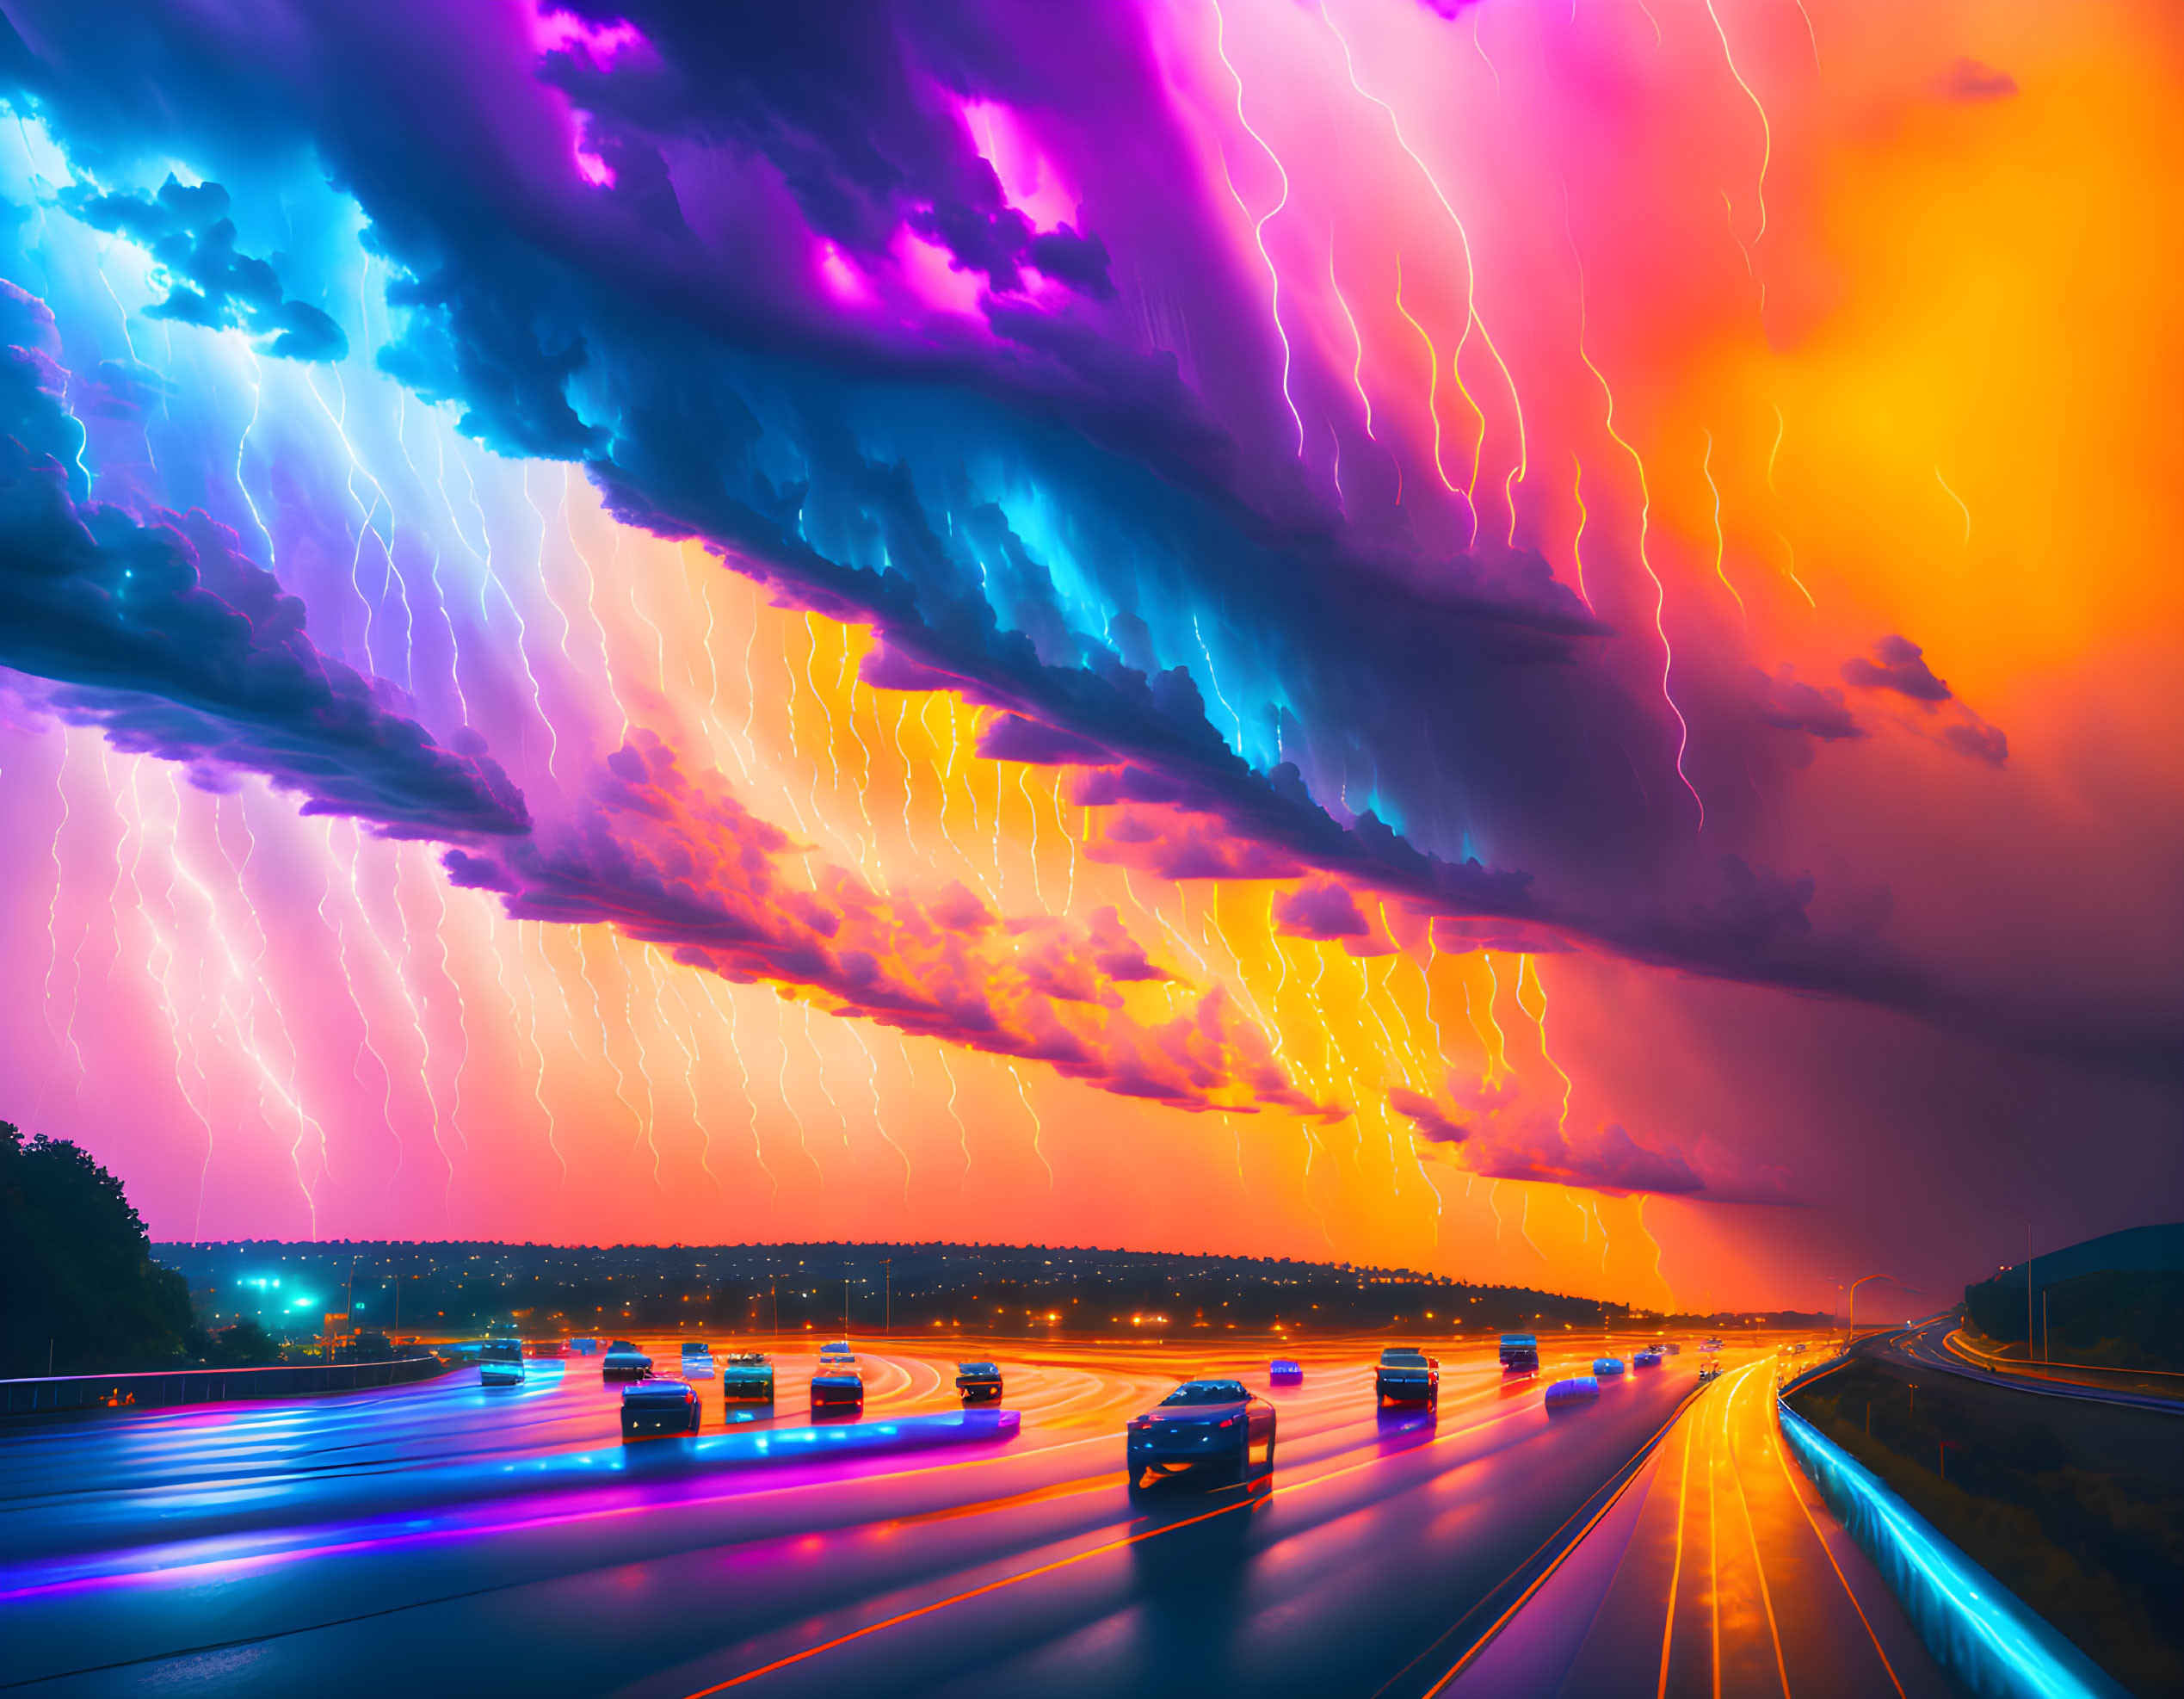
column 163, row 632
column 1968, row 79
column 1898, row 665
column 1427, row 1115
column 1790, row 705
column 1324, row 912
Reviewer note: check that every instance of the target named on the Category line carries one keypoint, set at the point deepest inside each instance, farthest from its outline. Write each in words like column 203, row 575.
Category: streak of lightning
column 1540, row 986
column 1706, row 468
column 1037, row 1128
column 1524, row 1227
column 531, row 1037
column 864, row 771
column 1440, row 1204
column 1767, row 133
column 606, row 1043
column 878, row 1111
column 743, row 1068
column 364, row 1020
column 1068, row 899
column 1259, row 229
column 1960, row 501
column 1791, row 570
column 1433, row 405
column 1501, row 1039
column 819, row 1074
column 1031, row 808
column 962, row 1132
column 1578, row 542
column 1471, row 284
column 803, row 1144
column 1645, row 520
column 697, row 1057
column 1357, row 339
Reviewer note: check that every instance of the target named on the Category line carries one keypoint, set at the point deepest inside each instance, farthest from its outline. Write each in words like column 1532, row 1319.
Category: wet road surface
column 447, row 1536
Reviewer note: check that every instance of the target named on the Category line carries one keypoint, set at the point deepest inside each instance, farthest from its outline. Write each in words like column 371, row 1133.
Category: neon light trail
column 665, row 624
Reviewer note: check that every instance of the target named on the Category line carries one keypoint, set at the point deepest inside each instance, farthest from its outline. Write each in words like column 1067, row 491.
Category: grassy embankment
column 2094, row 1551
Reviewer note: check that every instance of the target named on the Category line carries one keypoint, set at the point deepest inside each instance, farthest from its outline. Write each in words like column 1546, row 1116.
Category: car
column 1608, row 1367
column 624, row 1362
column 839, row 1348
column 1407, row 1375
column 650, row 1407
column 1710, row 1344
column 1285, row 1371
column 1710, row 1371
column 978, row 1381
column 1579, row 1389
column 1521, row 1353
column 747, row 1377
column 697, row 1359
column 1213, row 1430
column 837, row 1380
column 1670, row 1347
column 1797, row 1349
column 545, row 1349
column 584, row 1347
column 1648, row 1359
column 500, row 1363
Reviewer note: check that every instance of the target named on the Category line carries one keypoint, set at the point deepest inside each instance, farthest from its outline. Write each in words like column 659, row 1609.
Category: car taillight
column 1228, row 1421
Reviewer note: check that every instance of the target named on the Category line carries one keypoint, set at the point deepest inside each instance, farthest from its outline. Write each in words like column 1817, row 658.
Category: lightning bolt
column 1960, row 501
column 878, row 1110
column 735, row 1049
column 1706, row 469
column 1501, row 1039
column 1578, row 542
column 1540, row 1018
column 1259, row 229
column 1433, row 404
column 1471, row 288
column 1767, row 133
column 962, row 1132
column 1037, row 1126
column 1645, row 520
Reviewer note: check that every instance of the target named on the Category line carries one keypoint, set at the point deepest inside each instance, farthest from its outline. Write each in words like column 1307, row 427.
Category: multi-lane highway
column 449, row 1536
column 1716, row 1571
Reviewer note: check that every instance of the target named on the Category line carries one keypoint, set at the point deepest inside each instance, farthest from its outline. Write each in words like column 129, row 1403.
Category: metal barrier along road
column 161, row 1389
column 1975, row 1627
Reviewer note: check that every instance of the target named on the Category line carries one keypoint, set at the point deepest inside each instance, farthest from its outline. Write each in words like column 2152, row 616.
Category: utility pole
column 887, row 1276
column 2027, row 1219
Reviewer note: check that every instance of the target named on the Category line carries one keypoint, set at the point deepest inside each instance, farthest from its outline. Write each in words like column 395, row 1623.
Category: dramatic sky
column 1537, row 641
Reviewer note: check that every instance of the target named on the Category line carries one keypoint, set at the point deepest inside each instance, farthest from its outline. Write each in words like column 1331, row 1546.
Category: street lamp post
column 1859, row 1282
column 887, row 1289
column 2027, row 1220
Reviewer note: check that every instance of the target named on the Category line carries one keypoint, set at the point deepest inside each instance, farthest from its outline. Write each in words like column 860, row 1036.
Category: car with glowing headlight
column 837, row 1380
column 979, row 1382
column 747, row 1377
column 500, row 1363
column 624, row 1362
column 697, row 1359
column 1648, row 1359
column 1407, row 1375
column 653, row 1407
column 1215, row 1431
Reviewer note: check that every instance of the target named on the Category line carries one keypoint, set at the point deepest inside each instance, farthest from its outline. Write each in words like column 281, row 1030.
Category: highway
column 498, row 1538
column 1718, row 1571
column 1924, row 1345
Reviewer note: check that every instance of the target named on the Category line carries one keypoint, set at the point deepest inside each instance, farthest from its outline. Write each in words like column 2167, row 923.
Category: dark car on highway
column 747, row 1377
column 624, row 1362
column 650, row 1407
column 979, row 1382
column 1214, row 1430
column 837, row 1380
column 1407, row 1375
column 1285, row 1371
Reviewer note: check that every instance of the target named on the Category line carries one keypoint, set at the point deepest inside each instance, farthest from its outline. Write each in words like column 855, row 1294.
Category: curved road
column 447, row 1536
column 1925, row 1345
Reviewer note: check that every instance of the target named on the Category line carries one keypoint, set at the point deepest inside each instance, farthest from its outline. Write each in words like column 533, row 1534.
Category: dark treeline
column 460, row 1287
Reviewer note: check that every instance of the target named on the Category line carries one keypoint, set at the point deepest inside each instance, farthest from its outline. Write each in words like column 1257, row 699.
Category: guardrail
column 2042, row 1369
column 1975, row 1628
column 163, row 1388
